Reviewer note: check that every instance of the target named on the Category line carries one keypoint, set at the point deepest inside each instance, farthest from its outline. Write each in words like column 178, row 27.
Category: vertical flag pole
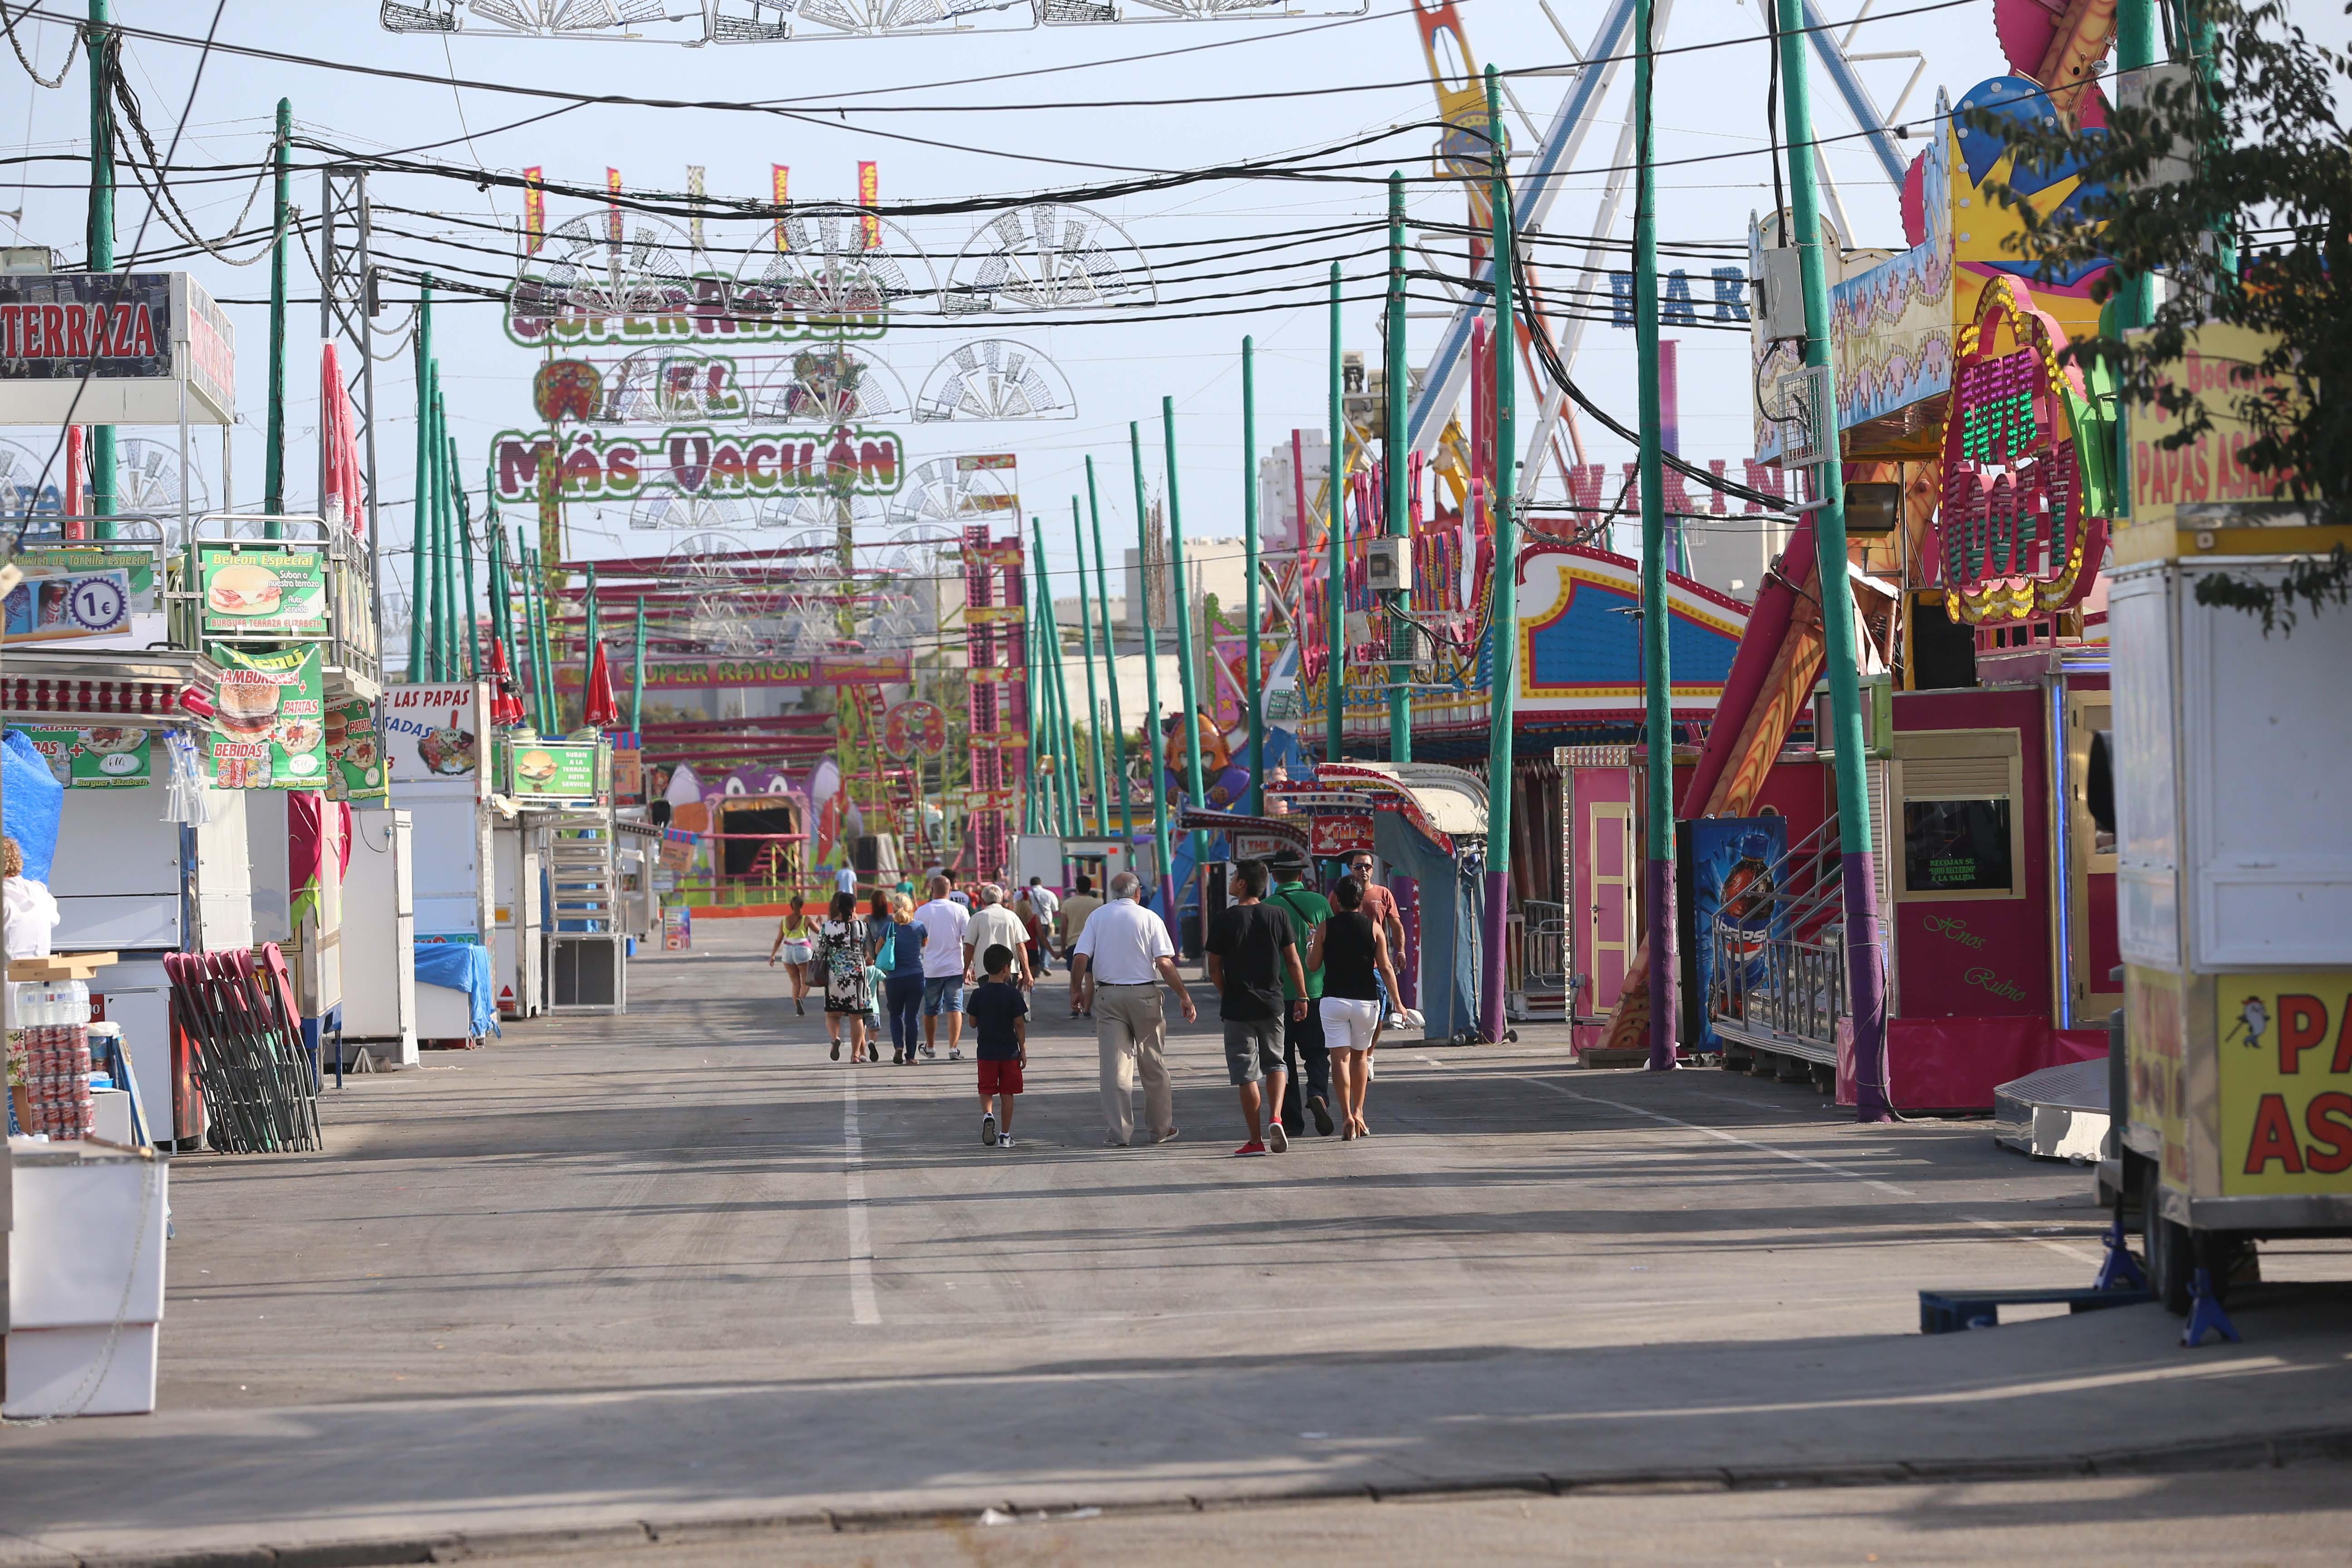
column 1502, row 630
column 1086, row 656
column 1658, row 837
column 1153, row 769
column 1110, row 661
column 1252, row 664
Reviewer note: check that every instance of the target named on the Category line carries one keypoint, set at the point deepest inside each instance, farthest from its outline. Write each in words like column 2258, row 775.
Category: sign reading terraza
column 702, row 462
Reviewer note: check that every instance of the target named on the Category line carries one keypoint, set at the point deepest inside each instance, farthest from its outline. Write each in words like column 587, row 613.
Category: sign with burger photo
column 270, row 719
column 553, row 770
column 360, row 771
column 273, row 593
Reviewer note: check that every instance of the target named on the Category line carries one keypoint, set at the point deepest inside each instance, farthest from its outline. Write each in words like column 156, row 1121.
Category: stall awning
column 134, row 691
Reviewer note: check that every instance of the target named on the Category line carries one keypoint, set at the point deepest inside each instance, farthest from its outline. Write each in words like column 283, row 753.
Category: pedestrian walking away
column 991, row 923
column 1043, row 905
column 1380, row 906
column 943, row 922
column 1076, row 911
column 902, row 987
column 1353, row 955
column 796, row 946
column 1122, row 950
column 844, row 950
column 1000, row 1027
column 1308, row 1064
column 845, row 880
column 1250, row 954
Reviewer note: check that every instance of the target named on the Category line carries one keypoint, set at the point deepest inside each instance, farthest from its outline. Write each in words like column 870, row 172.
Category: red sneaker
column 1252, row 1147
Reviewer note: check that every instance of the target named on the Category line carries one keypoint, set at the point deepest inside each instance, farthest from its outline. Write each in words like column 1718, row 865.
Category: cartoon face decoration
column 566, row 389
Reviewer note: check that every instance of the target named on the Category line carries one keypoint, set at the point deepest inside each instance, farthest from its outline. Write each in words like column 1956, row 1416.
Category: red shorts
column 999, row 1078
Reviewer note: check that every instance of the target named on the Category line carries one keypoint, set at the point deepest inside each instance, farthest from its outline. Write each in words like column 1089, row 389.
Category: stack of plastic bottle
column 52, row 1034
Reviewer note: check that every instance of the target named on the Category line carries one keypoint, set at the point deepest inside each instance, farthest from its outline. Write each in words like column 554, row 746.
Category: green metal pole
column 273, row 468
column 501, row 620
column 466, row 555
column 1195, row 786
column 448, row 557
column 1252, row 663
column 1502, row 630
column 542, row 662
column 637, row 676
column 1151, row 741
column 1865, row 976
column 1658, row 844
column 430, row 497
column 1336, row 555
column 1029, row 712
column 1086, row 656
column 539, row 715
column 1111, row 660
column 1066, row 802
column 104, row 48
column 1395, row 362
column 421, row 488
column 2136, row 48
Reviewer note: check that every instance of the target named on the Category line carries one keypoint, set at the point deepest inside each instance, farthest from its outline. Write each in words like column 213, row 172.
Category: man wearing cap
column 1122, row 950
column 1302, row 1038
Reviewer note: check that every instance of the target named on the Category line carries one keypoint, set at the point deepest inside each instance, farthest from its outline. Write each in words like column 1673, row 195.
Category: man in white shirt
column 945, row 964
column 991, row 924
column 845, row 880
column 1123, row 947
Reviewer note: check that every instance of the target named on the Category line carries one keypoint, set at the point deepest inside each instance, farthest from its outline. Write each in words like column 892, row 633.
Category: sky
column 991, row 130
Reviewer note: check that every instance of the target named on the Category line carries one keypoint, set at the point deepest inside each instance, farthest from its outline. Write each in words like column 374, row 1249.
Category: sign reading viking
column 696, row 461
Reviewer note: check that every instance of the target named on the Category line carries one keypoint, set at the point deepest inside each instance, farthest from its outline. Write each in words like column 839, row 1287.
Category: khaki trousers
column 1131, row 1034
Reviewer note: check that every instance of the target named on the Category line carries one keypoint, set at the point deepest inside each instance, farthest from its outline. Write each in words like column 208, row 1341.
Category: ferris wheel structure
column 1049, row 255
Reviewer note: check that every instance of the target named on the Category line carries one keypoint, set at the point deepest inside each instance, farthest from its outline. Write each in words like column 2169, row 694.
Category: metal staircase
column 586, row 951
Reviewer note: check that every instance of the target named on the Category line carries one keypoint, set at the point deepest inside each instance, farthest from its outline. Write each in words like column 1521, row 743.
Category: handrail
column 323, row 536
column 36, row 531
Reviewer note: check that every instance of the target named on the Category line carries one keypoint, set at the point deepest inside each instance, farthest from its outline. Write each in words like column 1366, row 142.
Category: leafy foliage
column 2250, row 232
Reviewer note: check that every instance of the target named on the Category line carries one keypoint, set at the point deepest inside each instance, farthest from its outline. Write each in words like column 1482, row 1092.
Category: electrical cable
column 8, row 21
column 41, row 481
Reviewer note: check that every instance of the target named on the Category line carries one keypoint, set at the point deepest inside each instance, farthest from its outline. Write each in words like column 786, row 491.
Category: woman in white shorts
column 1353, row 955
column 795, row 945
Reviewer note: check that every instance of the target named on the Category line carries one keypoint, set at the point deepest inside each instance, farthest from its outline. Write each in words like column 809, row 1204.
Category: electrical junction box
column 1388, row 563
column 1780, row 313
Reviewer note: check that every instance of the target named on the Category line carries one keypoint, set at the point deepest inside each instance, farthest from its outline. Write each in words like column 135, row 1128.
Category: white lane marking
column 862, row 1309
column 1719, row 1132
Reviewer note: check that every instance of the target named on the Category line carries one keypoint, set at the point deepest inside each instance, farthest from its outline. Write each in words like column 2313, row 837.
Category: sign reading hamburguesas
column 271, row 730
column 355, row 753
column 271, row 592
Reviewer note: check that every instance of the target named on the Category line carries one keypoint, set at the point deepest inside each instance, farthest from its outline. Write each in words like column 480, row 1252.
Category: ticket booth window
column 1957, row 846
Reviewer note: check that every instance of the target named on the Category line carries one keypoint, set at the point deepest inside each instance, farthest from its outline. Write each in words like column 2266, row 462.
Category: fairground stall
column 559, row 795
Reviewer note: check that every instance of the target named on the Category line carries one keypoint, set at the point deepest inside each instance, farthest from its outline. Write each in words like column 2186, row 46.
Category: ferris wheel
column 995, row 379
column 20, row 472
column 945, row 493
column 828, row 272
column 890, row 18
column 147, row 478
column 1049, row 257
column 609, row 264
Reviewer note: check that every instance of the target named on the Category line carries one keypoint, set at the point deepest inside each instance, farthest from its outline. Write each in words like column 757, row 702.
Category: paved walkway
column 680, row 1266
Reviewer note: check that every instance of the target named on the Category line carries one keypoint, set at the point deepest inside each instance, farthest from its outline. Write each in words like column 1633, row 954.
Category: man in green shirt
column 1302, row 1038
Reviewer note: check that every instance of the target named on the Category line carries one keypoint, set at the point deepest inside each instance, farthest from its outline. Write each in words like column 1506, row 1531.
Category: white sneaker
column 1275, row 1137
column 1005, row 1140
column 988, row 1130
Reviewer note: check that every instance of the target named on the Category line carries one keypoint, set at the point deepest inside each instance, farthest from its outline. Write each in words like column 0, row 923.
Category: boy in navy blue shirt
column 1000, row 1022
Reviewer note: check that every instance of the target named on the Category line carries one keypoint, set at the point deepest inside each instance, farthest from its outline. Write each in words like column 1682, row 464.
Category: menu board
column 262, row 592
column 77, row 591
column 102, row 758
column 1956, row 846
column 358, row 770
column 430, row 734
column 553, row 770
column 270, row 728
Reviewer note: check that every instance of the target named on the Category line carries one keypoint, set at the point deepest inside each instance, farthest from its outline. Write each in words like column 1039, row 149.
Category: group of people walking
column 1305, row 987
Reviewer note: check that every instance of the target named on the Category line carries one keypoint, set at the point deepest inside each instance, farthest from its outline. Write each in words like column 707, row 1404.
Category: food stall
column 560, row 793
column 436, row 745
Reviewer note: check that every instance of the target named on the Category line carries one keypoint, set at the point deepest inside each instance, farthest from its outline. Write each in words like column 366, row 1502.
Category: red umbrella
column 506, row 706
column 601, row 711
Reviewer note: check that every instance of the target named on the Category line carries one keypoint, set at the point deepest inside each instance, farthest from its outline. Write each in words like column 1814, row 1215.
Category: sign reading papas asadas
column 701, row 462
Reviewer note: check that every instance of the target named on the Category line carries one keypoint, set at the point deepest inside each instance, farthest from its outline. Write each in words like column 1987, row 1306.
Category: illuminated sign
column 2022, row 526
column 708, row 307
column 700, row 462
